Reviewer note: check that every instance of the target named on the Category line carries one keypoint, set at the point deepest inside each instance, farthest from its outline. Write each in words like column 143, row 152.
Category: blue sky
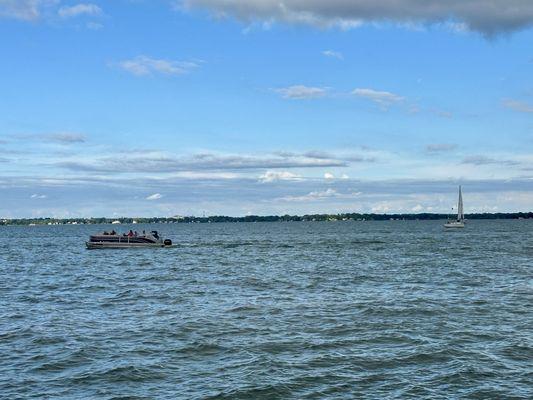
column 142, row 108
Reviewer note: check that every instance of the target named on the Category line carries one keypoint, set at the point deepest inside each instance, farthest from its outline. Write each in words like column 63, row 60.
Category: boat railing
column 123, row 237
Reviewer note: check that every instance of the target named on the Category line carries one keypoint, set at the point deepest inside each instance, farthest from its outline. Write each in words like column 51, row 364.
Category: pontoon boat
column 113, row 240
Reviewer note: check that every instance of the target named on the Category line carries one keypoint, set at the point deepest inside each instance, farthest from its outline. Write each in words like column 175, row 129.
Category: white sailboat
column 460, row 222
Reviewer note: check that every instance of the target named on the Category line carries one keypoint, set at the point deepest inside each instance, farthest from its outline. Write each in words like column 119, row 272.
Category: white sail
column 460, row 222
column 460, row 212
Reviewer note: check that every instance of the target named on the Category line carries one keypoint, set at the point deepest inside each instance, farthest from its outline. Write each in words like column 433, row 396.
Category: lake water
column 338, row 310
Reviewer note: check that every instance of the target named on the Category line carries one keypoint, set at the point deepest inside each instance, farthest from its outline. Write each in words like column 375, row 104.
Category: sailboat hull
column 452, row 225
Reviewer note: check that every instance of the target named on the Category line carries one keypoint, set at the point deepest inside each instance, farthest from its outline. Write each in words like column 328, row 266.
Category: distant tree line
column 259, row 218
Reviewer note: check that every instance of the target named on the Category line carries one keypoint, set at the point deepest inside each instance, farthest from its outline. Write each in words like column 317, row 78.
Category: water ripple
column 396, row 310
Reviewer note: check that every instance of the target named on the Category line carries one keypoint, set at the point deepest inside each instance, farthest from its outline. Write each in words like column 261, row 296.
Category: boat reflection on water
column 113, row 240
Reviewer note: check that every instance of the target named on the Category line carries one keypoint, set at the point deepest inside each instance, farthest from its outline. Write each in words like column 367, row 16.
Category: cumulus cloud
column 301, row 92
column 333, row 54
column 517, row 105
column 155, row 196
column 143, row 65
column 329, row 176
column 273, row 176
column 440, row 147
column 486, row 16
column 418, row 208
column 383, row 208
column 38, row 196
column 383, row 99
column 79, row 9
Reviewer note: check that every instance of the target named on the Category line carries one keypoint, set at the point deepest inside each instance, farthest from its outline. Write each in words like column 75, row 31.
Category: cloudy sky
column 165, row 107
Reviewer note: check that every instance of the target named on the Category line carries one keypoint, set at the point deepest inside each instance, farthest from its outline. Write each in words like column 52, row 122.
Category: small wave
column 269, row 391
column 122, row 373
column 203, row 348
column 368, row 241
column 244, row 307
column 75, row 359
column 48, row 340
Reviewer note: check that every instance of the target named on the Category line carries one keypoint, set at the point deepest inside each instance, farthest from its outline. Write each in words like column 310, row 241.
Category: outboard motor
column 167, row 242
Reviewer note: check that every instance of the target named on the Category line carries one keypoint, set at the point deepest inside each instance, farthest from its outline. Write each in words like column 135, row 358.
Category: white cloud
column 441, row 113
column 440, row 147
column 66, row 138
column 60, row 138
column 486, row 160
column 155, row 196
column 38, row 196
column 518, row 105
column 143, row 65
column 273, row 176
column 160, row 162
column 24, row 9
column 321, row 195
column 329, row 176
column 79, row 9
column 333, row 54
column 95, row 26
column 76, row 194
column 382, row 98
column 206, row 176
column 301, row 92
column 417, row 208
column 382, row 208
column 486, row 16
column 457, row 27
column 313, row 196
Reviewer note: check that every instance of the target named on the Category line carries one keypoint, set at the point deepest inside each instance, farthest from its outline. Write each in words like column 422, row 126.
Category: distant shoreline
column 257, row 218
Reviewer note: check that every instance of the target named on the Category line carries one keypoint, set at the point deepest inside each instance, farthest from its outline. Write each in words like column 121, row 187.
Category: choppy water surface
column 335, row 310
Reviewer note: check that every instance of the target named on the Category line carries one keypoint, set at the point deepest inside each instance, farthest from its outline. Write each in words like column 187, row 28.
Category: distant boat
column 460, row 221
column 112, row 240
column 117, row 222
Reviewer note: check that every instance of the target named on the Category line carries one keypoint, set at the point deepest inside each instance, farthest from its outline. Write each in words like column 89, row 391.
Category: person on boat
column 113, row 232
column 135, row 234
column 130, row 233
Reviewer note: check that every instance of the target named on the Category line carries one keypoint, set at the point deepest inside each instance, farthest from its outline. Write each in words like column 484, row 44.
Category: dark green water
column 341, row 310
